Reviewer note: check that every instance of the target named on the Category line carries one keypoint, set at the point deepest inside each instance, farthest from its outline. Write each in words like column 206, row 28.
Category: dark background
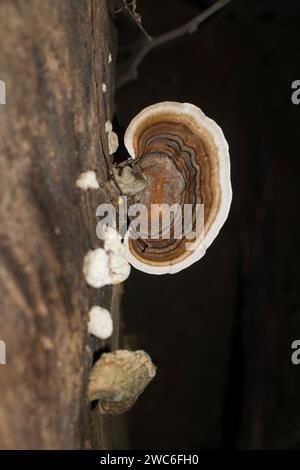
column 220, row 331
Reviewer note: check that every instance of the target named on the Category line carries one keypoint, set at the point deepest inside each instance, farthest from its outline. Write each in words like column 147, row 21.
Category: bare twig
column 141, row 48
column 137, row 18
column 192, row 25
column 131, row 8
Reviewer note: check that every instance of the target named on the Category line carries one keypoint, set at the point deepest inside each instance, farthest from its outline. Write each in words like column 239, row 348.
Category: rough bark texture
column 54, row 59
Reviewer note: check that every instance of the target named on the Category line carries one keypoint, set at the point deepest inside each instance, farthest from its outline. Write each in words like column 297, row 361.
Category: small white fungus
column 119, row 266
column 100, row 322
column 109, row 58
column 96, row 268
column 104, row 87
column 112, row 240
column 108, row 126
column 120, row 269
column 107, row 265
column 87, row 180
column 113, row 140
column 113, row 143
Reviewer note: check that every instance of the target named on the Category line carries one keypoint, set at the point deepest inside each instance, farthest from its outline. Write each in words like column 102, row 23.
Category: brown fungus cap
column 184, row 156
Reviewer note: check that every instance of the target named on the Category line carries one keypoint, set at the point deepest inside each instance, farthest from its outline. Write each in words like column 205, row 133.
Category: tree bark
column 54, row 59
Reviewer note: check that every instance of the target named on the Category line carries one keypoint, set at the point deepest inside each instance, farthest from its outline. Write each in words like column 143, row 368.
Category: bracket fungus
column 184, row 157
column 118, row 378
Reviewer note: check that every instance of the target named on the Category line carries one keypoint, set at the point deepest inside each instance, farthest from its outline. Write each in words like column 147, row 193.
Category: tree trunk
column 54, row 59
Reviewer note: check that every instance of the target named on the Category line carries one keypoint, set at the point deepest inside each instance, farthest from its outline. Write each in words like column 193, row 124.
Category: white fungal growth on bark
column 108, row 127
column 104, row 87
column 106, row 265
column 96, row 268
column 100, row 322
column 119, row 266
column 112, row 240
column 109, row 58
column 87, row 180
column 113, row 141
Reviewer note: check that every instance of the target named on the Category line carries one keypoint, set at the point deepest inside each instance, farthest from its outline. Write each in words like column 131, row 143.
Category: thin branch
column 147, row 43
column 131, row 8
column 192, row 25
